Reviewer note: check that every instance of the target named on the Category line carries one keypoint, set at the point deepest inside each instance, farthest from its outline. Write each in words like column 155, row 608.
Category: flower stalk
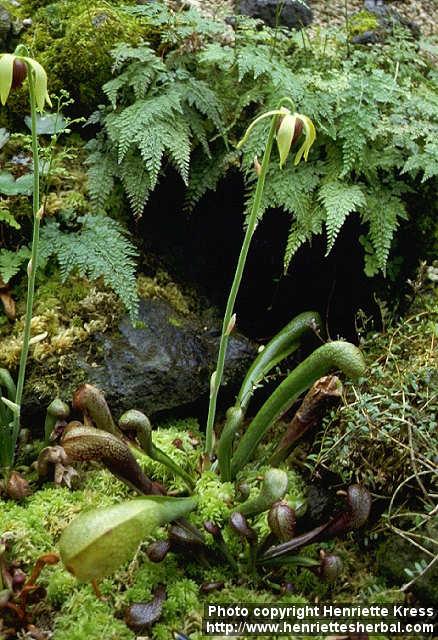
column 13, row 69
column 293, row 125
column 218, row 374
column 33, row 263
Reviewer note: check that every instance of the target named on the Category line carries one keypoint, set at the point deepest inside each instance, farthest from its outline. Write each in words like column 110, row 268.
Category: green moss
column 361, row 22
column 175, row 322
column 215, row 498
column 73, row 40
column 66, row 315
column 33, row 526
column 60, row 586
column 148, row 576
column 83, row 616
column 161, row 286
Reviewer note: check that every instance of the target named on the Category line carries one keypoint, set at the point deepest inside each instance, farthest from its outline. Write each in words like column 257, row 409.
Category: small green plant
column 253, row 513
column 286, row 128
column 13, row 70
column 375, row 110
column 79, row 443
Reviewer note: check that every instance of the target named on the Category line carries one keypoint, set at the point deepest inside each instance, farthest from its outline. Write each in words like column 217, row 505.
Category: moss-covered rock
column 165, row 364
column 73, row 41
column 362, row 22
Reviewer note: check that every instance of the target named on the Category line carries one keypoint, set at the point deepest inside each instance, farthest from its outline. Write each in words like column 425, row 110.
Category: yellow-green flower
column 291, row 127
column 11, row 65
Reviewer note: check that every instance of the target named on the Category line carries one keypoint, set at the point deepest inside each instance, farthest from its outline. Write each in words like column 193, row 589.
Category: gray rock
column 165, row 365
column 5, row 26
column 388, row 18
column 289, row 13
column 367, row 37
column 376, row 6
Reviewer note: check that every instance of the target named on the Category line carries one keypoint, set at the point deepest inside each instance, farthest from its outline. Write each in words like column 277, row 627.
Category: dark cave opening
column 202, row 248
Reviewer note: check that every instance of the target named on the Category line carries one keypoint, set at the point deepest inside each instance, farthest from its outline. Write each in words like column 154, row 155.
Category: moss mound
column 361, row 22
column 73, row 41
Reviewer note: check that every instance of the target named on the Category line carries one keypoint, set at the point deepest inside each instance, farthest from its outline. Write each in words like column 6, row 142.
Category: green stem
column 209, row 442
column 33, row 265
column 136, row 421
column 332, row 355
column 159, row 456
column 281, row 346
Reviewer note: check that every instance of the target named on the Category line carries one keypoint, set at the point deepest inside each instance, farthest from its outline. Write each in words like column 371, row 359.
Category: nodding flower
column 14, row 68
column 290, row 128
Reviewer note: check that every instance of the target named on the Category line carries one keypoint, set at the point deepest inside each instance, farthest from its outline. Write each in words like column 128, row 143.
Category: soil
column 332, row 12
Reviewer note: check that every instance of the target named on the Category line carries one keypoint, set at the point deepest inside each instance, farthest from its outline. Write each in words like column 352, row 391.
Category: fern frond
column 382, row 212
column 339, row 199
column 198, row 94
column 99, row 249
column 11, row 262
column 353, row 139
column 137, row 182
column 205, row 175
column 145, row 67
column 7, row 217
column 177, row 142
column 127, row 126
column 102, row 167
column 425, row 161
column 124, row 52
column 218, row 55
column 256, row 61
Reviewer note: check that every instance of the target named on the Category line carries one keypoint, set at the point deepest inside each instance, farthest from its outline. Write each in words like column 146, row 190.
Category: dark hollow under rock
column 321, row 504
column 289, row 13
column 165, row 365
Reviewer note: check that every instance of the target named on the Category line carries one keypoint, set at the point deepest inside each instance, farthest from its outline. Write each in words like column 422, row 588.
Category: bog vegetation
column 317, row 127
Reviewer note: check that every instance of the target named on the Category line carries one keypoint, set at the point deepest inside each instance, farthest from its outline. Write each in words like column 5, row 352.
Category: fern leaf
column 136, row 180
column 7, row 217
column 425, row 161
column 382, row 212
column 256, row 61
column 102, row 167
column 11, row 262
column 129, row 125
column 205, row 175
column 99, row 250
column 198, row 94
column 339, row 199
